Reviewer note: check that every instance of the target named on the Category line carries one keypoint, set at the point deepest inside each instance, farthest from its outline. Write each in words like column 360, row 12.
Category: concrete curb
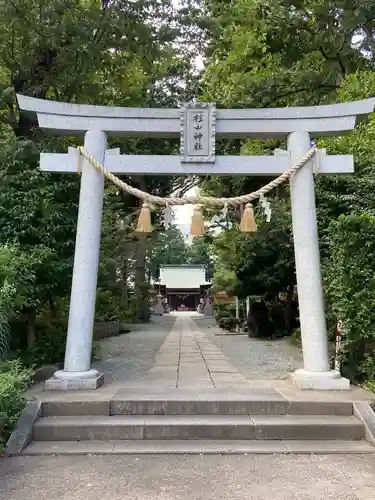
column 363, row 411
column 22, row 434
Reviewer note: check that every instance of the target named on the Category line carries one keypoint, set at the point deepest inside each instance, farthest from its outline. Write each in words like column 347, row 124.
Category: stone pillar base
column 74, row 381
column 320, row 381
column 208, row 309
column 159, row 310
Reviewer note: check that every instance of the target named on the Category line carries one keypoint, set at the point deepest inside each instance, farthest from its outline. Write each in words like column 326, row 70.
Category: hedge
column 14, row 381
column 349, row 281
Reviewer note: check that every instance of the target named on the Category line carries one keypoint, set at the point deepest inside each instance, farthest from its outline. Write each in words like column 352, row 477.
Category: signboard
column 198, row 121
column 224, row 298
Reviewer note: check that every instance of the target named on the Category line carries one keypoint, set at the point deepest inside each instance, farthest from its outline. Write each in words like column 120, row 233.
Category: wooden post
column 238, row 327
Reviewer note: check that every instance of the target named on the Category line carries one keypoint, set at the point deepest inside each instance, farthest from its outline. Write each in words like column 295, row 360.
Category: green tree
column 350, row 286
column 170, row 248
column 117, row 53
column 200, row 252
column 267, row 53
column 264, row 54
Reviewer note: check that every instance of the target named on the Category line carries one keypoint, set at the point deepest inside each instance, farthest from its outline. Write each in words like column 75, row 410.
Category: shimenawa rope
column 197, row 200
column 247, row 224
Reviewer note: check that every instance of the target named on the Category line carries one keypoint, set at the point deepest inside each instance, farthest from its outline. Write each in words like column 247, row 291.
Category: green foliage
column 112, row 53
column 225, row 275
column 295, row 338
column 49, row 347
column 350, row 290
column 16, row 284
column 5, row 334
column 256, row 263
column 225, row 316
column 170, row 248
column 227, row 323
column 265, row 259
column 370, row 386
column 200, row 252
column 107, row 306
column 225, row 279
column 96, row 354
column 224, row 309
column 14, row 381
column 264, row 54
column 267, row 53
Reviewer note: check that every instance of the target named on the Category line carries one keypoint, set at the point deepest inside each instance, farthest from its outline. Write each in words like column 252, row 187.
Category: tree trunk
column 124, row 287
column 31, row 324
column 289, row 310
column 141, row 285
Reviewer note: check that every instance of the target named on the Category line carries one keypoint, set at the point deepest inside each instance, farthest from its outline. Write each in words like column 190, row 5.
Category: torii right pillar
column 316, row 373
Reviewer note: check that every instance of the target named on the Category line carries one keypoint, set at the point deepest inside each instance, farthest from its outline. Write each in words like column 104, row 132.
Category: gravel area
column 130, row 356
column 163, row 477
column 254, row 358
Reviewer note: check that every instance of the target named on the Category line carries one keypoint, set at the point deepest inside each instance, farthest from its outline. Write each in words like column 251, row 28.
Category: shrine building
column 183, row 285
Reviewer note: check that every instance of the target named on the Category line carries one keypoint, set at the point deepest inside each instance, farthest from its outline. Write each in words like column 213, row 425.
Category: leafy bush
column 49, row 348
column 15, row 280
column 5, row 334
column 227, row 323
column 295, row 338
column 109, row 308
column 14, row 380
column 350, row 291
column 225, row 316
column 224, row 310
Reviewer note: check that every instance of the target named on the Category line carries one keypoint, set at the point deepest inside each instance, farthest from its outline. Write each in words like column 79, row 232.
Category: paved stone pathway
column 188, row 350
column 188, row 359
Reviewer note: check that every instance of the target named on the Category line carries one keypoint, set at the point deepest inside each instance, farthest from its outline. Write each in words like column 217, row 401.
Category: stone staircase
column 207, row 422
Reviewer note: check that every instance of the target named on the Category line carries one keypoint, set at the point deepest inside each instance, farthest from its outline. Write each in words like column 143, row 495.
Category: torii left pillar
column 77, row 373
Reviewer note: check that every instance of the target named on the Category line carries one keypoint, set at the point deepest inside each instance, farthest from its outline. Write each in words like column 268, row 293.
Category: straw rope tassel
column 248, row 224
column 144, row 220
column 197, row 222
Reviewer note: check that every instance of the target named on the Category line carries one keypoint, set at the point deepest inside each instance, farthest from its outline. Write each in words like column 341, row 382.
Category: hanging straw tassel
column 144, row 220
column 248, row 224
column 197, row 222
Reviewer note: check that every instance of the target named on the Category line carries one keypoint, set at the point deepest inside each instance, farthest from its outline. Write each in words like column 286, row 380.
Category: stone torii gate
column 198, row 126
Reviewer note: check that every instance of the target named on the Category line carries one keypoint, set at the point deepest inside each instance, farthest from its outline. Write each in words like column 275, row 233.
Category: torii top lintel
column 75, row 119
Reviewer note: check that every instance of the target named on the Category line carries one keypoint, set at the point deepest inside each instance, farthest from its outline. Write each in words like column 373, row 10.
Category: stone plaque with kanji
column 198, row 133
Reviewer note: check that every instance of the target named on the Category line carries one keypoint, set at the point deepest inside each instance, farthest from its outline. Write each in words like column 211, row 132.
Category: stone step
column 254, row 404
column 243, row 427
column 185, row 403
column 195, row 447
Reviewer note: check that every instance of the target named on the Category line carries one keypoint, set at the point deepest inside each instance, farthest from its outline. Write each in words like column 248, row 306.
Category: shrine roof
column 182, row 277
